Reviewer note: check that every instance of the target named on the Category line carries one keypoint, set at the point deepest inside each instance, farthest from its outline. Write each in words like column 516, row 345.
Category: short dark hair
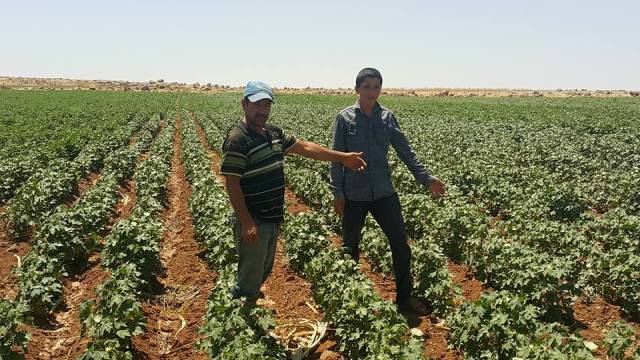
column 368, row 73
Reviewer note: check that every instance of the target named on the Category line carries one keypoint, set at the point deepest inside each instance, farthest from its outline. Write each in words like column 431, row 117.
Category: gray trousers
column 255, row 262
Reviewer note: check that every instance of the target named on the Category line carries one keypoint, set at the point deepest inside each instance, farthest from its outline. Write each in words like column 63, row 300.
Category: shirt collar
column 376, row 107
column 249, row 129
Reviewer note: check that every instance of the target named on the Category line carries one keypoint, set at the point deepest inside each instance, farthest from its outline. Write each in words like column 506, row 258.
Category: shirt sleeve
column 288, row 141
column 408, row 156
column 234, row 158
column 337, row 169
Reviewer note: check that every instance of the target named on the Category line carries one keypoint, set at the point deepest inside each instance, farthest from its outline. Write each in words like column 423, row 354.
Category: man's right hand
column 249, row 232
column 338, row 206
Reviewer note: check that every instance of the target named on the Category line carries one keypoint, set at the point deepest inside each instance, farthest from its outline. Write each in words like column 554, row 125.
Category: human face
column 256, row 113
column 369, row 91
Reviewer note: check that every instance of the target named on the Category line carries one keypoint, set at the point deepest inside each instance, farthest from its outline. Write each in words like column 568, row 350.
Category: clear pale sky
column 491, row 44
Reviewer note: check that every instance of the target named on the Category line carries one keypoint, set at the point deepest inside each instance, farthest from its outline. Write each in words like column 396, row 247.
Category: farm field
column 115, row 240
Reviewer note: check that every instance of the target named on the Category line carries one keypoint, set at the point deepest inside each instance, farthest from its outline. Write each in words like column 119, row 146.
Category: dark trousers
column 388, row 215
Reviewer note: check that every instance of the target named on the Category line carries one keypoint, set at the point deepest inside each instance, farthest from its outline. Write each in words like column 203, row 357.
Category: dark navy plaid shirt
column 355, row 131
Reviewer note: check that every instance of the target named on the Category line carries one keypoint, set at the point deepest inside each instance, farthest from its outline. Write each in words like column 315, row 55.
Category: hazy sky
column 515, row 44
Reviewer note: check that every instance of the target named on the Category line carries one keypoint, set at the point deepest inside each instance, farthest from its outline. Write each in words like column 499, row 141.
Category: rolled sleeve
column 234, row 159
column 337, row 169
column 408, row 156
column 287, row 141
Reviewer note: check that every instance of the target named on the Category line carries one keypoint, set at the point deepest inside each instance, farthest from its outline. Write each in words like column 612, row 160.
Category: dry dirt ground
column 175, row 310
column 160, row 85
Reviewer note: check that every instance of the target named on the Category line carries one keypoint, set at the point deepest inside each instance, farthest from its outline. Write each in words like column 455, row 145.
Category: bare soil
column 28, row 83
column 58, row 337
column 175, row 312
column 595, row 318
column 176, row 307
column 471, row 287
column 11, row 253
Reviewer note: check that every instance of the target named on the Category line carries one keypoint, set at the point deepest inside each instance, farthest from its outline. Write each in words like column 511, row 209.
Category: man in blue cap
column 253, row 167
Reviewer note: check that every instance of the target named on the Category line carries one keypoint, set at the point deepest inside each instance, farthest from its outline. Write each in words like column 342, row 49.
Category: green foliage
column 235, row 331
column 494, row 326
column 11, row 315
column 39, row 127
column 375, row 247
column 433, row 281
column 50, row 186
column 367, row 326
column 39, row 282
column 621, row 338
column 209, row 204
column 135, row 240
column 619, row 280
column 544, row 194
column 132, row 252
column 544, row 280
column 116, row 317
column 312, row 239
column 67, row 235
column 40, row 194
column 502, row 326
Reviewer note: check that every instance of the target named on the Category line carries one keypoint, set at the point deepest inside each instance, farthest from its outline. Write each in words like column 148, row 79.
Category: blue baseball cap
column 257, row 90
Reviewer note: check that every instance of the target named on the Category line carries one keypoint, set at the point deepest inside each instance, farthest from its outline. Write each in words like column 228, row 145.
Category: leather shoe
column 412, row 305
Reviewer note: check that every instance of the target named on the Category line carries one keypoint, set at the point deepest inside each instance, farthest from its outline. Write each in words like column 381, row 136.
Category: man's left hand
column 437, row 188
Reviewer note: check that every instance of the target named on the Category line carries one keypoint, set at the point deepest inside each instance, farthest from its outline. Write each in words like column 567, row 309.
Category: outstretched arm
column 314, row 151
column 409, row 157
column 337, row 170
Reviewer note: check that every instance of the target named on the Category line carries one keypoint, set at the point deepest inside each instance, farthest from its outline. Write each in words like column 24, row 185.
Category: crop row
column 39, row 127
column 132, row 253
column 64, row 242
column 50, row 186
column 231, row 330
column 69, row 234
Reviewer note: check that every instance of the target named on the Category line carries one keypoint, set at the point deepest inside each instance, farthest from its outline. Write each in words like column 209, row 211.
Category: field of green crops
column 542, row 213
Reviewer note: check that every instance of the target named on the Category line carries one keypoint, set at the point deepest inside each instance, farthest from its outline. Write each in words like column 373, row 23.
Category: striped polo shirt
column 259, row 162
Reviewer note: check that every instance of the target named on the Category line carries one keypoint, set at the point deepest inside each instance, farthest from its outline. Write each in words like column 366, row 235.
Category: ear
column 357, row 88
